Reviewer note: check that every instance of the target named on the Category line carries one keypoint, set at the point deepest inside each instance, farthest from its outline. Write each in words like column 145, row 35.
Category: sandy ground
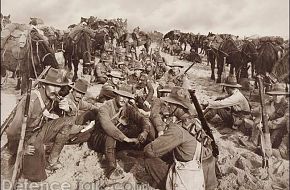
column 240, row 166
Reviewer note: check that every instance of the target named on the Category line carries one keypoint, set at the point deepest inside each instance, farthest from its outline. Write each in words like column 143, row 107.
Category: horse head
column 249, row 50
column 5, row 20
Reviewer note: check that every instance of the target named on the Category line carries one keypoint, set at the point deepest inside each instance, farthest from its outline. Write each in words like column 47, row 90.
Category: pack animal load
column 13, row 41
column 276, row 39
column 78, row 30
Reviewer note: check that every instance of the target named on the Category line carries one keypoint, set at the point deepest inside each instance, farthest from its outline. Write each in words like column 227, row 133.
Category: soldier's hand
column 147, row 104
column 89, row 126
column 142, row 136
column 131, row 140
column 29, row 150
column 160, row 133
column 63, row 104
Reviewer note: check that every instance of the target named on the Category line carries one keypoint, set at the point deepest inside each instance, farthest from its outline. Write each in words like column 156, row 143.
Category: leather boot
column 111, row 172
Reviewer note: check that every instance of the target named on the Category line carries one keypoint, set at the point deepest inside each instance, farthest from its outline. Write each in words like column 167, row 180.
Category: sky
column 238, row 17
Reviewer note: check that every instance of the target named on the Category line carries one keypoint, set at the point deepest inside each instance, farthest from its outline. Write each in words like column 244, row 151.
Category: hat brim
column 52, row 83
column 174, row 101
column 180, row 66
column 78, row 90
column 231, row 85
column 165, row 90
column 124, row 94
column 273, row 93
column 114, row 76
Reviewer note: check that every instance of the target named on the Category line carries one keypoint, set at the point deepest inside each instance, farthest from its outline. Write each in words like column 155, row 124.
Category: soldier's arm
column 150, row 91
column 134, row 115
column 108, row 125
column 155, row 116
column 227, row 102
column 84, row 105
column 164, row 143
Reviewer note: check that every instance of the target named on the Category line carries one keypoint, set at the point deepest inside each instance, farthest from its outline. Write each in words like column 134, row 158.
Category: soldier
column 120, row 123
column 108, row 46
column 193, row 166
column 115, row 80
column 103, row 67
column 173, row 77
column 160, row 69
column 144, row 92
column 75, row 107
column 133, row 78
column 41, row 103
column 233, row 108
column 143, row 55
column 119, row 55
column 277, row 110
column 156, row 55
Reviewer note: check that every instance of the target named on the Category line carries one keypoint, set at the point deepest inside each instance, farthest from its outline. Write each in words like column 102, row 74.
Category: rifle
column 204, row 124
column 22, row 136
column 11, row 115
column 265, row 138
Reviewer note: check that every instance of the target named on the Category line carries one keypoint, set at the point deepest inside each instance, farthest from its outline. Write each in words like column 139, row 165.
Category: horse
column 172, row 35
column 51, row 35
column 4, row 21
column 131, row 40
column 280, row 71
column 183, row 40
column 24, row 49
column 229, row 53
column 267, row 57
column 78, row 46
column 249, row 54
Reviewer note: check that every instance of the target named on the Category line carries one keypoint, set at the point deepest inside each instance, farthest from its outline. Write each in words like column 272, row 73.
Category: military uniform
column 185, row 146
column 39, row 116
column 103, row 67
column 77, row 110
column 115, row 124
column 232, row 109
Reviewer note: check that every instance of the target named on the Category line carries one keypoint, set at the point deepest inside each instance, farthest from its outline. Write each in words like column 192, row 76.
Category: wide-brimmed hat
column 108, row 91
column 139, row 66
column 231, row 81
column 55, row 77
column 143, row 49
column 175, row 65
column 278, row 89
column 181, row 97
column 164, row 90
column 80, row 85
column 115, row 74
column 125, row 92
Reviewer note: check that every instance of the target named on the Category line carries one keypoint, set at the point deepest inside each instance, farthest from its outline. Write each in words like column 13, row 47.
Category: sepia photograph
column 144, row 95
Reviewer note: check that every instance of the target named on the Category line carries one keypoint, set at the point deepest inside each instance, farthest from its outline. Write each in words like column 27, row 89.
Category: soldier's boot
column 111, row 170
column 60, row 140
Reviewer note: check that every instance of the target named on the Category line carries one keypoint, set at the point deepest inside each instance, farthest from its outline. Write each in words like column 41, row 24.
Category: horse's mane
column 267, row 56
column 281, row 68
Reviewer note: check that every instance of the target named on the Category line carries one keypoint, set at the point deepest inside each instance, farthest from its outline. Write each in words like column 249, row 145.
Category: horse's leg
column 18, row 85
column 212, row 65
column 220, row 66
column 252, row 69
column 76, row 64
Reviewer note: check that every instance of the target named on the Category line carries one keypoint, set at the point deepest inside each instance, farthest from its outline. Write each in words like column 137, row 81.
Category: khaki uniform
column 183, row 145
